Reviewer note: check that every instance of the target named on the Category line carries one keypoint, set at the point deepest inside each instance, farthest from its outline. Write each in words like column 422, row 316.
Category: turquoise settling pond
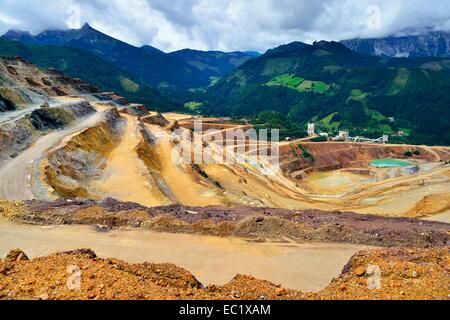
column 389, row 163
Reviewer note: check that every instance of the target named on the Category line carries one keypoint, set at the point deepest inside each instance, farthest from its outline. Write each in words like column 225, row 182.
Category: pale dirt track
column 6, row 117
column 125, row 176
column 15, row 174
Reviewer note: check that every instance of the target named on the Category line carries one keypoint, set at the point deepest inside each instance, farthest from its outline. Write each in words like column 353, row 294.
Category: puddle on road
column 213, row 260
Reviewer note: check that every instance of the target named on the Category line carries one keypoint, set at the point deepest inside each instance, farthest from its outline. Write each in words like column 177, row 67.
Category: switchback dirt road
column 15, row 175
column 6, row 117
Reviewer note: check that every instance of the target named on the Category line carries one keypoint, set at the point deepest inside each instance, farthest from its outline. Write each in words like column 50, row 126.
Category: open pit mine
column 81, row 168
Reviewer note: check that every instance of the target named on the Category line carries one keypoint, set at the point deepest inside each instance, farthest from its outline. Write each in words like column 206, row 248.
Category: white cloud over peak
column 228, row 24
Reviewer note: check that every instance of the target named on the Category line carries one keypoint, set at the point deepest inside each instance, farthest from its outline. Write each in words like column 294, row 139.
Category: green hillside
column 212, row 64
column 78, row 63
column 341, row 89
column 147, row 64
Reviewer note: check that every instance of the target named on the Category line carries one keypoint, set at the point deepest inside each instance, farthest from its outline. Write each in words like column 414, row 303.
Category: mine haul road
column 6, row 117
column 15, row 175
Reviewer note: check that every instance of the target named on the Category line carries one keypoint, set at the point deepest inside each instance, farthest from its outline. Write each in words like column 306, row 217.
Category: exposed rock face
column 111, row 96
column 138, row 110
column 55, row 118
column 157, row 119
column 6, row 105
column 18, row 73
column 81, row 158
column 15, row 136
column 433, row 44
column 21, row 95
column 146, row 150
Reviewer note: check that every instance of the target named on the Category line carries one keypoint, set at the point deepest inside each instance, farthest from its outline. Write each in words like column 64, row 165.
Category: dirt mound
column 100, row 279
column 393, row 274
column 380, row 274
column 431, row 205
column 261, row 224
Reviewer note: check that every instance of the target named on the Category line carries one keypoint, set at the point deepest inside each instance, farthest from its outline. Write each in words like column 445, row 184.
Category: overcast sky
column 227, row 25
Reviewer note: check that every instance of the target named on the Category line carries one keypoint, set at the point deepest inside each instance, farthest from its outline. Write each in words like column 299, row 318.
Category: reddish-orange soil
column 380, row 274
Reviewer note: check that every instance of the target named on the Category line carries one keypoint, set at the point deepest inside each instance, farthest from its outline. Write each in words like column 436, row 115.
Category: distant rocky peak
column 86, row 26
column 429, row 44
column 15, row 32
column 18, row 35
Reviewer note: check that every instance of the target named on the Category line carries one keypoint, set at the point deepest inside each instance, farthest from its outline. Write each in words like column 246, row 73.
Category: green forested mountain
column 341, row 89
column 146, row 64
column 175, row 72
column 213, row 64
column 81, row 64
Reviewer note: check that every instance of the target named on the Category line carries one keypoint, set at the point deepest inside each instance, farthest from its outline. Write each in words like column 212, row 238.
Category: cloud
column 228, row 24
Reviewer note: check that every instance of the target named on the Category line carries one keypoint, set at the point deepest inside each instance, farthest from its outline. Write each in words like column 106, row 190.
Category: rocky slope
column 15, row 137
column 403, row 274
column 78, row 63
column 19, row 134
column 21, row 81
column 432, row 44
column 6, row 105
column 82, row 157
column 154, row 67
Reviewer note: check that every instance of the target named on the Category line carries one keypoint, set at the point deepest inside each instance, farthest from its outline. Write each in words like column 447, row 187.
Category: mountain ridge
column 158, row 70
column 336, row 87
column 183, row 69
column 79, row 63
column 213, row 63
column 430, row 44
